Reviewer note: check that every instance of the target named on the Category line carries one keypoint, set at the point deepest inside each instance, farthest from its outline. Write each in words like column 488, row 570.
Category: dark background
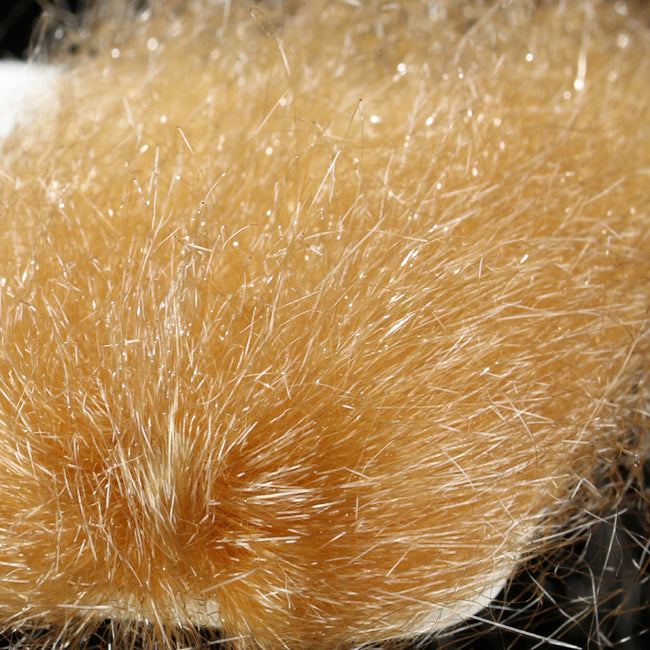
column 18, row 19
column 592, row 593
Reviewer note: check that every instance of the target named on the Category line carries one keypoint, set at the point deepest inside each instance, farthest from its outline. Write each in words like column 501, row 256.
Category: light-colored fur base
column 314, row 317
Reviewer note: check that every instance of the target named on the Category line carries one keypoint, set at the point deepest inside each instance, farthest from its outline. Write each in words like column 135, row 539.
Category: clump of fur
column 313, row 318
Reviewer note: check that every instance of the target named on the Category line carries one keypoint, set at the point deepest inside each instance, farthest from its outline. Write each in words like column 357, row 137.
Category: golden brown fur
column 314, row 317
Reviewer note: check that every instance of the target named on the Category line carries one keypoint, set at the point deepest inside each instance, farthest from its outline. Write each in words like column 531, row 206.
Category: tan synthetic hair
column 314, row 317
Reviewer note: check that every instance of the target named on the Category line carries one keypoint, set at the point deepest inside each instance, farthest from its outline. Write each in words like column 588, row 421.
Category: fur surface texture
column 316, row 319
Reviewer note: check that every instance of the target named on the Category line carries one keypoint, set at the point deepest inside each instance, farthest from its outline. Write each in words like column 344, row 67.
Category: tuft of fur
column 315, row 317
